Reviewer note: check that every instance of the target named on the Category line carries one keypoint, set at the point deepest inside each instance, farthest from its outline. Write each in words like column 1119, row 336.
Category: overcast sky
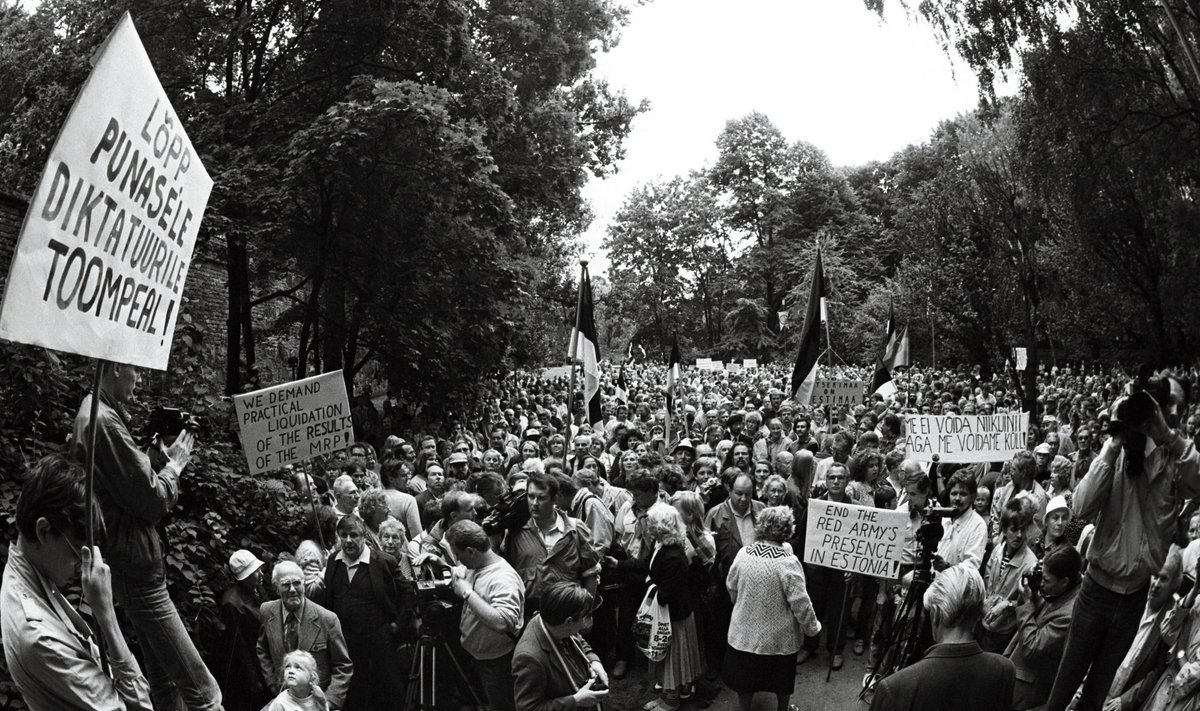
column 829, row 72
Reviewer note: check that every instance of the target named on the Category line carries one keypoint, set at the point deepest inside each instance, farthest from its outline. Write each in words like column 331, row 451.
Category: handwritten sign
column 289, row 423
column 965, row 438
column 838, row 391
column 103, row 253
column 855, row 539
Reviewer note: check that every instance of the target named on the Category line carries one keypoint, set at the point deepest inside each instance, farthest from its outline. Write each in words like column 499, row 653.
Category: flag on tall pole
column 674, row 376
column 585, row 348
column 622, row 386
column 895, row 355
column 804, row 375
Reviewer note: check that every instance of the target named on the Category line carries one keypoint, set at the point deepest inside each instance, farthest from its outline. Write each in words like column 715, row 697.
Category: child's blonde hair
column 307, row 661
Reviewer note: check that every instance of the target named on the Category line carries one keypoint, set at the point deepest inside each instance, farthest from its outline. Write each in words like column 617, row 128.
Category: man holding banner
column 133, row 497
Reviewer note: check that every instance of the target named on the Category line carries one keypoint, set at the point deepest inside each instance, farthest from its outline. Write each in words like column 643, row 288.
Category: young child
column 300, row 691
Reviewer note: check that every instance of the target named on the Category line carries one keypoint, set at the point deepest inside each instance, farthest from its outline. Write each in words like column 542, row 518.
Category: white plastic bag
column 652, row 627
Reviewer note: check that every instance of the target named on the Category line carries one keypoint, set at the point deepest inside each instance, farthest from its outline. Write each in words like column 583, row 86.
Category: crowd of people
column 523, row 547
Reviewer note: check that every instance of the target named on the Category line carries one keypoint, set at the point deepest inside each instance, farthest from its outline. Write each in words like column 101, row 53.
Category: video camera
column 510, row 513
column 165, row 424
column 930, row 533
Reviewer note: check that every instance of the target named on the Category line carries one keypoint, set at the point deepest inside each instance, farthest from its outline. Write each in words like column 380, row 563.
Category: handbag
column 652, row 627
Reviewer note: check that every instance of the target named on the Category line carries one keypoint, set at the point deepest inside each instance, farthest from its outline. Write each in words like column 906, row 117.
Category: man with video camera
column 133, row 498
column 493, row 609
column 1133, row 491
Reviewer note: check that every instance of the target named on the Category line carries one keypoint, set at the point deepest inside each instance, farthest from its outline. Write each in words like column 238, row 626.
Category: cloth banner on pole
column 103, row 254
column 965, row 438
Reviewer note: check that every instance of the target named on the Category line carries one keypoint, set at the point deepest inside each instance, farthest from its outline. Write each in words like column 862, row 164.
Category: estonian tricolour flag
column 804, row 376
column 585, row 347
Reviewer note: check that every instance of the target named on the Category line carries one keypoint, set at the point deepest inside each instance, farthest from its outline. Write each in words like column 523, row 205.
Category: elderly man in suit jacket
column 312, row 629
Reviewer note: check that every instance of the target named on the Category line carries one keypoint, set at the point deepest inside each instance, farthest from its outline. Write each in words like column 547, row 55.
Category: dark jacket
column 951, row 677
column 1037, row 647
column 720, row 520
column 383, row 570
column 572, row 559
column 669, row 571
column 319, row 634
column 539, row 679
column 237, row 671
column 132, row 496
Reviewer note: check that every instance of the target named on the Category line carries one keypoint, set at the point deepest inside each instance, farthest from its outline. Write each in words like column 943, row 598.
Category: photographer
column 493, row 602
column 1046, row 603
column 133, row 498
column 553, row 668
column 1132, row 490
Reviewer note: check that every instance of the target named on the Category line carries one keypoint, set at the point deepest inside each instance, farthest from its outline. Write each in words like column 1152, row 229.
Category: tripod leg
column 462, row 674
column 837, row 635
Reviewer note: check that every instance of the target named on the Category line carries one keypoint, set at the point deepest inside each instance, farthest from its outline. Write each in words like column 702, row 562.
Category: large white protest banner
column 558, row 371
column 838, row 391
column 965, row 438
column 103, row 254
column 289, row 423
column 854, row 539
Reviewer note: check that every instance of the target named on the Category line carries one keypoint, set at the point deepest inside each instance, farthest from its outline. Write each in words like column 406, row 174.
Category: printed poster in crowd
column 290, row 423
column 838, row 391
column 854, row 539
column 965, row 438
column 103, row 254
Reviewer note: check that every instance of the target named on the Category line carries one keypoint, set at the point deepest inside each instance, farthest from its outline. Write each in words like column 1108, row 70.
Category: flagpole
column 573, row 353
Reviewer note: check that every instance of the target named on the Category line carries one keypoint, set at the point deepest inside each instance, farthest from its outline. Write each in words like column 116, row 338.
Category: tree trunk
column 234, row 248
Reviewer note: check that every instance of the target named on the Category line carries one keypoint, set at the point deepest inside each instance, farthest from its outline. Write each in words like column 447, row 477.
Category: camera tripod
column 904, row 639
column 425, row 653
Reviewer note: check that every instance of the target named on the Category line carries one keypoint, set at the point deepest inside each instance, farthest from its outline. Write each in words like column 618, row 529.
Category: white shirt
column 352, row 565
column 556, row 532
column 965, row 540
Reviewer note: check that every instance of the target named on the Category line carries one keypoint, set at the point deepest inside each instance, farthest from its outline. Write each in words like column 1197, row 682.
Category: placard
column 855, row 539
column 733, row 367
column 965, row 438
column 103, row 254
column 750, row 363
column 838, row 391
column 289, row 423
column 701, row 362
column 1021, row 356
column 558, row 371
